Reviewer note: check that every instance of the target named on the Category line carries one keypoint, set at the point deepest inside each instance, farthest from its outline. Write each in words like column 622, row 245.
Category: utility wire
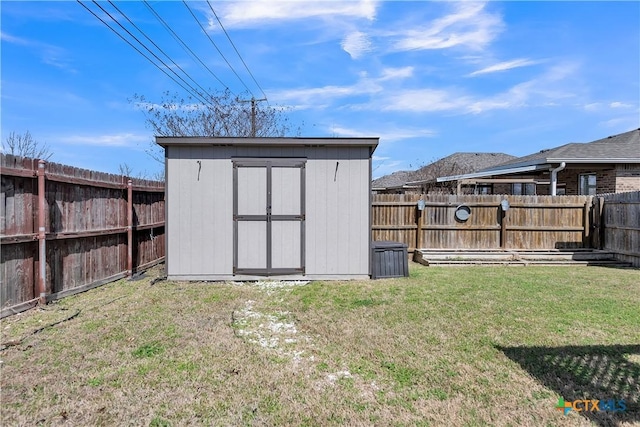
column 193, row 90
column 134, row 47
column 204, row 91
column 236, row 49
column 183, row 44
column 216, row 46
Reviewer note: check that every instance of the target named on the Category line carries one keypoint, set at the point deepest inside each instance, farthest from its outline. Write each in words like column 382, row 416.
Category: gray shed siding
column 200, row 212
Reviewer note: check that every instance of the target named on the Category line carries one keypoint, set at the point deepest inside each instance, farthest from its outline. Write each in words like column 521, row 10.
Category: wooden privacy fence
column 616, row 219
column 65, row 230
column 531, row 222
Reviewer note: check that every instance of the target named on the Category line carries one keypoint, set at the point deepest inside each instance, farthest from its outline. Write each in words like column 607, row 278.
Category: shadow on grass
column 600, row 372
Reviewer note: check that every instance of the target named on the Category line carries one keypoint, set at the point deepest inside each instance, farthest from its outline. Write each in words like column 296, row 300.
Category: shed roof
column 166, row 141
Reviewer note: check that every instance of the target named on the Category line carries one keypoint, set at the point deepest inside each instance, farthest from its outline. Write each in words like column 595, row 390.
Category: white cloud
column 15, row 40
column 550, row 89
column 114, row 140
column 473, row 59
column 623, row 124
column 469, row 25
column 261, row 12
column 618, row 104
column 603, row 106
column 356, row 44
column 379, row 158
column 317, row 96
column 506, row 65
column 396, row 73
column 425, row 100
column 560, row 71
column 49, row 54
column 544, row 90
column 386, row 134
column 516, row 97
column 321, row 97
column 349, row 133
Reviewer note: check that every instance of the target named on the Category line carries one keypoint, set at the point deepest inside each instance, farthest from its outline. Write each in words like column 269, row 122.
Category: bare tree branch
column 223, row 116
column 23, row 145
column 437, row 168
column 127, row 170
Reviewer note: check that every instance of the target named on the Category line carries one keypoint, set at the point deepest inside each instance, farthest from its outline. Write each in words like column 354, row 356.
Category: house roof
column 457, row 162
column 394, row 180
column 621, row 148
column 166, row 141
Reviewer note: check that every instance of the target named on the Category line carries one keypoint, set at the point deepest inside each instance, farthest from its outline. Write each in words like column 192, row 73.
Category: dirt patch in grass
column 273, row 331
column 460, row 346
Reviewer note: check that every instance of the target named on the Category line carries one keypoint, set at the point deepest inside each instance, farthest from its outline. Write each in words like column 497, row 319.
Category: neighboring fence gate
column 65, row 230
column 616, row 225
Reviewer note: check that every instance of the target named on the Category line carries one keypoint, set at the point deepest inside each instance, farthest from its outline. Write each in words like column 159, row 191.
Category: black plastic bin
column 389, row 260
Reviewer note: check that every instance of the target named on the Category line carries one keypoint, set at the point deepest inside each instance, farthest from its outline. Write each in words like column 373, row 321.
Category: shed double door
column 268, row 216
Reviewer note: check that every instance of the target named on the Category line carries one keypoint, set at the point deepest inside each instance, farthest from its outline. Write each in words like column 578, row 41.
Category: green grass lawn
column 464, row 346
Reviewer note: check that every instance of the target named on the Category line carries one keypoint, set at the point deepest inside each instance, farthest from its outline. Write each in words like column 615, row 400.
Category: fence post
column 418, row 229
column 503, row 228
column 601, row 230
column 129, row 228
column 41, row 290
column 586, row 232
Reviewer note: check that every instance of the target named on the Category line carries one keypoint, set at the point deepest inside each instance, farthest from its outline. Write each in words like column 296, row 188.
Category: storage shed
column 283, row 208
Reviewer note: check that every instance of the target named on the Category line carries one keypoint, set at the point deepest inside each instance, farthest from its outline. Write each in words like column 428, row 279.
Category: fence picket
column 85, row 239
column 532, row 222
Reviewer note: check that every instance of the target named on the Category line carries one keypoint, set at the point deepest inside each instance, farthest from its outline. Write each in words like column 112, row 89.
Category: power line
column 236, row 49
column 216, row 46
column 204, row 91
column 253, row 114
column 183, row 44
column 136, row 49
column 193, row 90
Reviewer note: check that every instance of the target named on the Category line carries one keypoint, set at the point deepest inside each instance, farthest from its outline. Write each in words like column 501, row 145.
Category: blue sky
column 428, row 78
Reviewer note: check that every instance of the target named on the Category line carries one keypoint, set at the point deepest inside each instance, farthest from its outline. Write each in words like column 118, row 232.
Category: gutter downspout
column 554, row 177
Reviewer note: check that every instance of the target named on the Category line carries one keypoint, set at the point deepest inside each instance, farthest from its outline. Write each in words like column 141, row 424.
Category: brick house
column 608, row 165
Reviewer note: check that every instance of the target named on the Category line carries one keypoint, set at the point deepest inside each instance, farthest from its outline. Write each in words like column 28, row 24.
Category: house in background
column 395, row 183
column 608, row 165
column 423, row 180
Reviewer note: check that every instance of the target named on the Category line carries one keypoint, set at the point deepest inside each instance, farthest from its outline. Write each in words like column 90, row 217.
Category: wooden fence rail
column 87, row 228
column 90, row 228
column 531, row 222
